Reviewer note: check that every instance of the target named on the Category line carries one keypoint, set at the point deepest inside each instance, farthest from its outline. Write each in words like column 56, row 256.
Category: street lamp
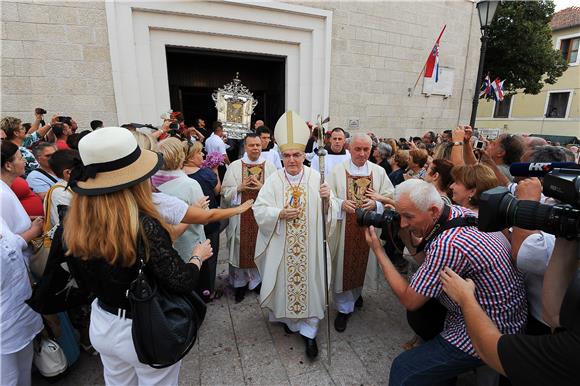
column 486, row 10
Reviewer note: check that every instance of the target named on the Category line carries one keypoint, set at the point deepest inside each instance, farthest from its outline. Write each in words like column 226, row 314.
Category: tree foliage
column 520, row 48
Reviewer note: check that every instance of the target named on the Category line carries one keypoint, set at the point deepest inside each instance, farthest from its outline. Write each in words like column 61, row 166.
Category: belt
column 120, row 312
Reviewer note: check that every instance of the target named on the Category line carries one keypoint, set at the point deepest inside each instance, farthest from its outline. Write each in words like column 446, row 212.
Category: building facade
column 556, row 109
column 130, row 61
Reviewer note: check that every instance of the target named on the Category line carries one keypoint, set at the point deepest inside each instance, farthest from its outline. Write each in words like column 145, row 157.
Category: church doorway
column 194, row 74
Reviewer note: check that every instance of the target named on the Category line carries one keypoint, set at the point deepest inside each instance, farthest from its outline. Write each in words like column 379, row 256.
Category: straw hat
column 111, row 161
column 291, row 132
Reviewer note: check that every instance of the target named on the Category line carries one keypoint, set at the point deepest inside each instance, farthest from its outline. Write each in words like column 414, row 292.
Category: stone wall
column 378, row 51
column 55, row 55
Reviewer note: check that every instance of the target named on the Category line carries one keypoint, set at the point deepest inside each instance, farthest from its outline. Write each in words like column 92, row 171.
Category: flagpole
column 321, row 151
column 425, row 65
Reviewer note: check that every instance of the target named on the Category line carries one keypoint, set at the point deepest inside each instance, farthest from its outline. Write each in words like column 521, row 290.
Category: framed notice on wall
column 444, row 84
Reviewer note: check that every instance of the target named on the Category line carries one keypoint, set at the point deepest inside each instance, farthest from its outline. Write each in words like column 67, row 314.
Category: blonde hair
column 107, row 226
column 192, row 149
column 145, row 141
column 479, row 177
column 173, row 151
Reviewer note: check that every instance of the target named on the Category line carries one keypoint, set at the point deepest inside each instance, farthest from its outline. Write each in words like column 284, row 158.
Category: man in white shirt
column 268, row 152
column 215, row 142
column 61, row 163
column 336, row 152
column 42, row 178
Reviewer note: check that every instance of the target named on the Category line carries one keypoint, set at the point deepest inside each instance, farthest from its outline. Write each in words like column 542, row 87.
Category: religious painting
column 356, row 187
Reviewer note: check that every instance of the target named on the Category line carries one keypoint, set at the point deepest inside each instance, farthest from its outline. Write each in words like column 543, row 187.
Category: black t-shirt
column 541, row 360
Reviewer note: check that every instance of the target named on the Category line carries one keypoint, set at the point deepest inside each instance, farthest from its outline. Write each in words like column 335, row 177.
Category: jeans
column 435, row 362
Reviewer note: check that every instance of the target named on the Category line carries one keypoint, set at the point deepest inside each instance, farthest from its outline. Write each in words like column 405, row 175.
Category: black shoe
column 240, row 293
column 359, row 302
column 258, row 288
column 287, row 329
column 311, row 347
column 340, row 321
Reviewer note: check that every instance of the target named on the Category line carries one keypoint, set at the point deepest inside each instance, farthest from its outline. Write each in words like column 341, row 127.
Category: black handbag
column 165, row 324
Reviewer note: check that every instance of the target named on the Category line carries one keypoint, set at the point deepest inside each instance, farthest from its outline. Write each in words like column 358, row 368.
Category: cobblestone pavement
column 238, row 346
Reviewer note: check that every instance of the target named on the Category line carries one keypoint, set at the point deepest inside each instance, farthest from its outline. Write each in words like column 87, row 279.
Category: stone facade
column 56, row 56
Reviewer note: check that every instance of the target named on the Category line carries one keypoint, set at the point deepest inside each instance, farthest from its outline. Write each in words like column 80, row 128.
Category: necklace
column 296, row 193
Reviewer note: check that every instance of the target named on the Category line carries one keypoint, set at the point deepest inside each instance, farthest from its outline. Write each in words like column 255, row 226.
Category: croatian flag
column 485, row 87
column 497, row 87
column 432, row 64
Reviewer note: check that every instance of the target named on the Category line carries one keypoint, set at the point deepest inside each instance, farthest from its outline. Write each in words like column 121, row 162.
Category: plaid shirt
column 483, row 258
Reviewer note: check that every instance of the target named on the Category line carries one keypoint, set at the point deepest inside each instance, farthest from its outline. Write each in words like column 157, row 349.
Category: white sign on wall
column 353, row 124
column 444, row 84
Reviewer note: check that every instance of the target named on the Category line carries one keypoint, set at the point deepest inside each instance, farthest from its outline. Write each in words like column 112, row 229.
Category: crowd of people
column 483, row 301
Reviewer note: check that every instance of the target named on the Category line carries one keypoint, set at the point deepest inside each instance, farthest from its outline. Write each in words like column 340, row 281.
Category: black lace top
column 110, row 282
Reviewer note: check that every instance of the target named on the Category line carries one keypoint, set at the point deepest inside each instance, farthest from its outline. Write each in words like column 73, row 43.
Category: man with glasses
column 289, row 248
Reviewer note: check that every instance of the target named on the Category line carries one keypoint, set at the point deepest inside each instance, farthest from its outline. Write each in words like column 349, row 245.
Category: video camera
column 499, row 209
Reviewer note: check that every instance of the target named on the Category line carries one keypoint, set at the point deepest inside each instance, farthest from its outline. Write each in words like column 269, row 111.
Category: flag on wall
column 432, row 64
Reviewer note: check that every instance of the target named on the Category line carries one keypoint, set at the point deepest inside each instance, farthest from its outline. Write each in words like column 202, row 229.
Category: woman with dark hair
column 111, row 224
column 398, row 163
column 439, row 174
column 382, row 153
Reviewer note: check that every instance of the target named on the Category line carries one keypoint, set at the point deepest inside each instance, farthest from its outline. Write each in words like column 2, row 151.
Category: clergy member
column 242, row 182
column 355, row 183
column 269, row 152
column 337, row 152
column 289, row 248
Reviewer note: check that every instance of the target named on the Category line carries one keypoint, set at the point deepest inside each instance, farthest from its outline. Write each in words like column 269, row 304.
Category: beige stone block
column 386, row 50
column 100, row 36
column 79, row 34
column 63, row 15
column 377, row 61
column 29, row 67
column 60, row 104
column 9, row 11
column 93, row 70
column 19, row 31
column 101, row 87
column 59, row 68
column 378, row 36
column 33, row 13
column 51, row 33
column 60, row 86
column 96, row 54
column 6, row 66
column 363, row 34
column 26, row 102
column 42, row 50
column 109, row 103
column 15, row 85
column 92, row 17
column 11, row 49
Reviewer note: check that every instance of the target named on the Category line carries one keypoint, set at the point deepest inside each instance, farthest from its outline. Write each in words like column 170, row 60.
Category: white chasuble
column 338, row 183
column 289, row 253
column 231, row 198
column 330, row 162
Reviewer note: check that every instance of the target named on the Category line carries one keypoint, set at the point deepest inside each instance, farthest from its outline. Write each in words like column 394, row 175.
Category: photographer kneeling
column 482, row 257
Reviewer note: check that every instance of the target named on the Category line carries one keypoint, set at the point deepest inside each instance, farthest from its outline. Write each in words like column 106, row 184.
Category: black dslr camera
column 390, row 223
column 499, row 209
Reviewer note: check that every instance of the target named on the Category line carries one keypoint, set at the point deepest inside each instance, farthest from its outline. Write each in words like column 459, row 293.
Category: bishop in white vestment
column 289, row 247
column 354, row 263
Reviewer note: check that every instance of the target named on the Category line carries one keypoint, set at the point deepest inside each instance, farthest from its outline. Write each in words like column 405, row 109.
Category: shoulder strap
column 47, row 175
column 47, row 204
column 442, row 226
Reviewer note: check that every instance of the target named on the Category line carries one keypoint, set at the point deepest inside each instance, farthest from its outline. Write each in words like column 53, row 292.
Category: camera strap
column 443, row 224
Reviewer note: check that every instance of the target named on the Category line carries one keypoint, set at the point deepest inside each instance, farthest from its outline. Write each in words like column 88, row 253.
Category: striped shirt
column 483, row 258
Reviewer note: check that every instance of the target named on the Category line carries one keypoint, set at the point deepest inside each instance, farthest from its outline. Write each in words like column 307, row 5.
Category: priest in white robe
column 337, row 152
column 243, row 180
column 356, row 183
column 289, row 248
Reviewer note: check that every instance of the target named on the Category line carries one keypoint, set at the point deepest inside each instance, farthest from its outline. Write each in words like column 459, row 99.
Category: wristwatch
column 194, row 257
column 458, row 143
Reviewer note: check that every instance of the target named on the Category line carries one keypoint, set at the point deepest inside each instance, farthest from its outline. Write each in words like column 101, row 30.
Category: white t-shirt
column 19, row 324
column 533, row 258
column 172, row 209
column 39, row 182
column 215, row 144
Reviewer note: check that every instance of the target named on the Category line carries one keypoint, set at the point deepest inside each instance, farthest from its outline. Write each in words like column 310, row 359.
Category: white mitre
column 291, row 132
